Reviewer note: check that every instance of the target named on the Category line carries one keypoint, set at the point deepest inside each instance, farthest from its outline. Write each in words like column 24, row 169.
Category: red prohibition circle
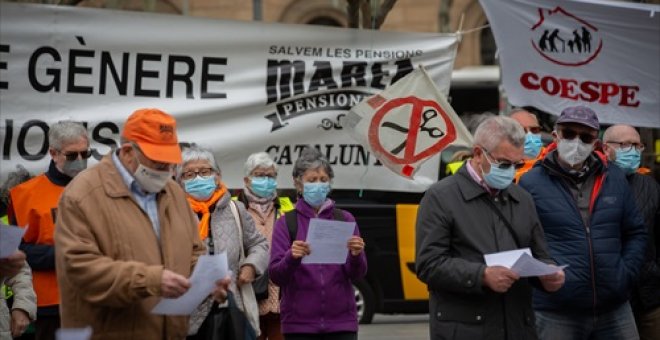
column 409, row 155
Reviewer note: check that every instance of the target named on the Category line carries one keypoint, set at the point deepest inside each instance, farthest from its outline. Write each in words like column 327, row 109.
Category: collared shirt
column 146, row 200
column 475, row 176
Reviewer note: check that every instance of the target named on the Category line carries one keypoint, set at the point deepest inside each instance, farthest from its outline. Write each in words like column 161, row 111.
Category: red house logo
column 565, row 39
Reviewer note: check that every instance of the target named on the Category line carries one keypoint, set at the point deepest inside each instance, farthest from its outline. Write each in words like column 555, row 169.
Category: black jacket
column 647, row 195
column 456, row 226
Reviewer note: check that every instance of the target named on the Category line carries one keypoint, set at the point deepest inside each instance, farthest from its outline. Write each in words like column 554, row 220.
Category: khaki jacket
column 24, row 298
column 109, row 260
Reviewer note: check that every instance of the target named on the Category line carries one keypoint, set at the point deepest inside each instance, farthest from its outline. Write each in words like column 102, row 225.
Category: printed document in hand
column 527, row 266
column 209, row 268
column 522, row 262
column 505, row 258
column 328, row 241
column 74, row 333
column 10, row 238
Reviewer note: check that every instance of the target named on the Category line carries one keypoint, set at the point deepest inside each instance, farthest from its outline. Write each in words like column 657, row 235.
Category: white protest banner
column 235, row 87
column 407, row 123
column 560, row 53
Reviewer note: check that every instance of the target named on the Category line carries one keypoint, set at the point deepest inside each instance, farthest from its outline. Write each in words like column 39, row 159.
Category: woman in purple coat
column 317, row 299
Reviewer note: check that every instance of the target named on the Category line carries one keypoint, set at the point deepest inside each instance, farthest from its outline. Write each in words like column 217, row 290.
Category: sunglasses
column 504, row 165
column 570, row 134
column 73, row 155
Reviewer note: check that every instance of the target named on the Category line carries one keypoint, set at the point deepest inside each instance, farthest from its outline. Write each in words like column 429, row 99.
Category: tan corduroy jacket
column 109, row 260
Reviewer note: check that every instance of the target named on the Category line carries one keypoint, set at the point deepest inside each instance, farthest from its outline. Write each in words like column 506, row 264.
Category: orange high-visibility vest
column 34, row 205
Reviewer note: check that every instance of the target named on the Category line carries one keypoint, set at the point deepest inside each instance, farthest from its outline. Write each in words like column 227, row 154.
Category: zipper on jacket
column 587, row 229
column 322, row 309
column 592, row 202
column 591, row 264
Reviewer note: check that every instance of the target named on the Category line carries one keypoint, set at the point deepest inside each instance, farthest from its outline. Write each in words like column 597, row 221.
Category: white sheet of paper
column 10, row 238
column 505, row 258
column 328, row 241
column 527, row 266
column 74, row 333
column 209, row 269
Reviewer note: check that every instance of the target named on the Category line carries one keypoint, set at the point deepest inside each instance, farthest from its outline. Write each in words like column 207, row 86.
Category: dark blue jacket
column 605, row 256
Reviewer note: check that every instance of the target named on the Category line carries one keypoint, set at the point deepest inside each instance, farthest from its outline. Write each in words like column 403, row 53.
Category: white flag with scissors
column 407, row 123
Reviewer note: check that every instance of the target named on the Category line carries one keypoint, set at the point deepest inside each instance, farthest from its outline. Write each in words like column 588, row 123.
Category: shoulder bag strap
column 504, row 219
column 239, row 226
column 291, row 218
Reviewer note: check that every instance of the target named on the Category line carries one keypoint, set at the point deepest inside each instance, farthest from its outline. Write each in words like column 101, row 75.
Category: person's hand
column 499, row 278
column 299, row 249
column 19, row 322
column 219, row 294
column 553, row 282
column 246, row 274
column 173, row 285
column 356, row 245
column 10, row 266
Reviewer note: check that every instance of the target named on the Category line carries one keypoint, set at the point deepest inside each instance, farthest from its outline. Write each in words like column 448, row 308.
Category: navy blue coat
column 605, row 256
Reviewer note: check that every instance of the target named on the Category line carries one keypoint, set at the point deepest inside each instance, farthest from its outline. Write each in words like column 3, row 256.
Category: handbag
column 228, row 323
column 260, row 286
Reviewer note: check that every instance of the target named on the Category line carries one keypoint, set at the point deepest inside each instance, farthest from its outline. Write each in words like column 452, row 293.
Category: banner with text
column 235, row 87
column 561, row 53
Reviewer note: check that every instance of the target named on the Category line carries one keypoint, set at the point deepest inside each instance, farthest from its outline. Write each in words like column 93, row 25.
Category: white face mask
column 574, row 151
column 152, row 181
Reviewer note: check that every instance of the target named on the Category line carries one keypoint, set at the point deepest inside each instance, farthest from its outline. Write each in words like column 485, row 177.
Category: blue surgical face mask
column 628, row 160
column 263, row 186
column 533, row 144
column 498, row 178
column 200, row 188
column 315, row 193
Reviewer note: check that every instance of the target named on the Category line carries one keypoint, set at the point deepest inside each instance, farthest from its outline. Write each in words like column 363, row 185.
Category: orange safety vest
column 34, row 205
column 529, row 163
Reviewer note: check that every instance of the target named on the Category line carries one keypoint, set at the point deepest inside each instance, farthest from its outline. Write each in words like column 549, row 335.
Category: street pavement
column 396, row 327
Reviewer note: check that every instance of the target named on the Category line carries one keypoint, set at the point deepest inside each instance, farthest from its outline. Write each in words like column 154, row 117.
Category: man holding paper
column 126, row 237
column 466, row 216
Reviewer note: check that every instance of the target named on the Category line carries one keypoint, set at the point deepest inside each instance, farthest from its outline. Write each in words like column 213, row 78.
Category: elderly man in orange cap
column 126, row 237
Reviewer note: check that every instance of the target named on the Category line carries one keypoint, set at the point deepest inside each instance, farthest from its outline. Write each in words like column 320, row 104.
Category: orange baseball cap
column 154, row 131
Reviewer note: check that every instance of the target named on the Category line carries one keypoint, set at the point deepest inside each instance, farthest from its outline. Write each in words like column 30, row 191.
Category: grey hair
column 492, row 131
column 311, row 158
column 195, row 153
column 64, row 132
column 14, row 178
column 258, row 160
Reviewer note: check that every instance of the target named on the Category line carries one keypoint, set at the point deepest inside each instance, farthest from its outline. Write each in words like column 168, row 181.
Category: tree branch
column 353, row 13
column 385, row 8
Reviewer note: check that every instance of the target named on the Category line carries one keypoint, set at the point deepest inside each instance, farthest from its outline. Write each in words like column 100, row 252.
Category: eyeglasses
column 626, row 146
column 264, row 174
column 204, row 172
column 504, row 165
column 570, row 134
column 73, row 155
column 533, row 129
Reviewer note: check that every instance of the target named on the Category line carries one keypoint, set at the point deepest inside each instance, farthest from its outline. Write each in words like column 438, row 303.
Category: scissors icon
column 433, row 132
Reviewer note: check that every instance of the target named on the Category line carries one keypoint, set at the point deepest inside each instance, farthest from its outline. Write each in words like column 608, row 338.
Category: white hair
column 65, row 132
column 492, row 131
column 258, row 160
column 195, row 153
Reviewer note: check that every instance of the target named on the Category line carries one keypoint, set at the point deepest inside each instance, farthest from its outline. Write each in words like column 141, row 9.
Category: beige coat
column 24, row 298
column 264, row 224
column 110, row 262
